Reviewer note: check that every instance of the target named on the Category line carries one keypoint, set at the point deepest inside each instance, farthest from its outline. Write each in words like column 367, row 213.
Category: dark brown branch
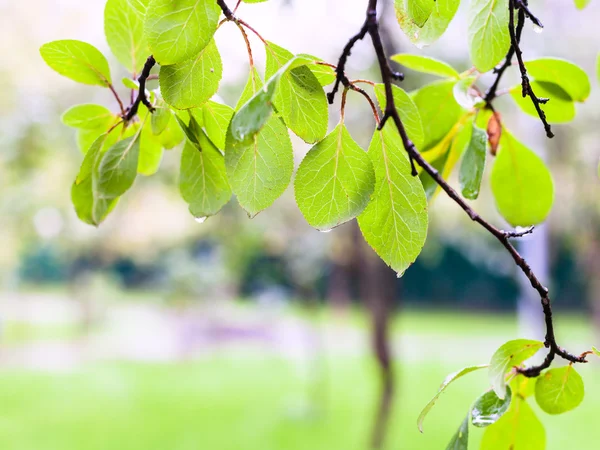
column 141, row 97
column 503, row 237
column 226, row 11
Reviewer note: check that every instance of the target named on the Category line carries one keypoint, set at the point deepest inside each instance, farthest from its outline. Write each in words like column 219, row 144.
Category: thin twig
column 141, row 97
column 116, row 95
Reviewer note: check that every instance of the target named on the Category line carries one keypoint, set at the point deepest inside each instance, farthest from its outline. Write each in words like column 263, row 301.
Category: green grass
column 248, row 401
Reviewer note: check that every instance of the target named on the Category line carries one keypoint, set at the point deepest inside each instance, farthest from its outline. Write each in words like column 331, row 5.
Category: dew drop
column 537, row 28
column 326, row 231
column 201, row 219
column 400, row 274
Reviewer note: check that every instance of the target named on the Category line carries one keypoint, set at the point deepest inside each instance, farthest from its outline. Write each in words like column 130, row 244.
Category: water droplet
column 400, row 274
column 326, row 231
column 537, row 28
column 201, row 219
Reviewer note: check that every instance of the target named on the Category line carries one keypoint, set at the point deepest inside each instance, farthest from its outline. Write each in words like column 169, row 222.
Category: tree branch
column 141, row 97
column 372, row 28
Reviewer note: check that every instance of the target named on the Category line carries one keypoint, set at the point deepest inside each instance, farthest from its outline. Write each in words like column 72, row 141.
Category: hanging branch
column 372, row 28
column 515, row 49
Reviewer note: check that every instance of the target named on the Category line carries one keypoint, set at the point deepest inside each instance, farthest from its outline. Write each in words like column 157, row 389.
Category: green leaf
column 191, row 83
column 172, row 135
column 324, row 73
column 151, row 152
column 438, row 109
column 217, row 118
column 521, row 184
column 473, row 164
column 179, row 30
column 460, row 441
column 522, row 386
column 441, row 16
column 559, row 390
column 203, row 181
column 420, row 10
column 518, row 429
column 252, row 86
column 299, row 98
column 449, row 379
column 489, row 408
column 570, row 77
column 595, row 351
column 489, row 39
column 580, row 4
column 426, row 64
column 395, row 221
column 335, row 181
column 89, row 117
column 509, row 355
column 407, row 109
column 260, row 167
column 90, row 208
column 118, row 167
column 78, row 61
column 560, row 108
column 124, row 30
column 466, row 96
column 253, row 115
column 161, row 117
column 130, row 84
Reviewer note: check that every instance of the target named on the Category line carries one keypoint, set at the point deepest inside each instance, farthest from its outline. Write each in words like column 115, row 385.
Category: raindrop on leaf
column 200, row 219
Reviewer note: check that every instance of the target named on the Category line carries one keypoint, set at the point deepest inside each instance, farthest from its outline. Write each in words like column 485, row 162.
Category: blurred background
column 158, row 332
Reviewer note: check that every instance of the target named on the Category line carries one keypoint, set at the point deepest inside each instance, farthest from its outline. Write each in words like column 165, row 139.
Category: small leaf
column 571, row 78
column 426, row 64
column 595, row 351
column 89, row 117
column 203, row 182
column 560, row 108
column 441, row 16
column 118, row 167
column 489, row 408
column 580, row 4
column 299, row 98
column 217, row 118
column 260, row 168
column 518, row 429
column 559, row 390
column 521, row 184
column 191, row 83
column 489, row 38
column 151, row 151
column 124, row 30
column 78, row 61
column 178, row 30
column 460, row 441
column 473, row 164
column 438, row 109
column 449, row 379
column 335, row 181
column 509, row 355
column 160, row 118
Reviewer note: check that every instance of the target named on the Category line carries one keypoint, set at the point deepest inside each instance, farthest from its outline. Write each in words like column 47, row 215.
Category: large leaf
column 217, row 118
column 440, row 18
column 203, row 182
column 521, row 183
column 124, row 29
column 178, row 30
column 518, row 429
column 395, row 221
column 489, row 39
column 260, row 168
column 509, row 355
column 406, row 109
column 570, row 77
column 488, row 408
column 191, row 83
column 438, row 109
column 460, row 441
column 118, row 167
column 335, row 181
column 89, row 117
column 559, row 390
column 300, row 98
column 473, row 164
column 77, row 60
column 449, row 379
column 426, row 64
column 559, row 109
